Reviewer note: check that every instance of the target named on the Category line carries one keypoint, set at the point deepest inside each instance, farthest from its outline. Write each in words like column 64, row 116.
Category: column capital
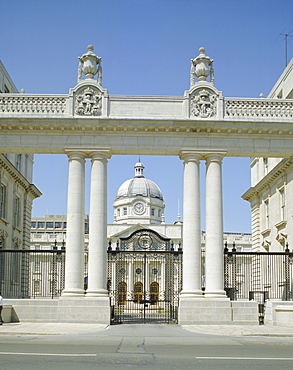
column 100, row 154
column 75, row 154
column 214, row 157
column 190, row 155
column 89, row 152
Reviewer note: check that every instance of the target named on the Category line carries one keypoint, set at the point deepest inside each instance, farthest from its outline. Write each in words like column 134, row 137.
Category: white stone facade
column 271, row 189
column 16, row 191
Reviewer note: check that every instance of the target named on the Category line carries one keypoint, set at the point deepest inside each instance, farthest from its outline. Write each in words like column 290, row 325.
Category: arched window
column 138, row 292
column 154, row 290
column 122, row 290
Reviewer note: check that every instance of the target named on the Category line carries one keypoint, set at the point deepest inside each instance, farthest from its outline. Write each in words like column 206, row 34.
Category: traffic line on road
column 247, row 358
column 50, row 354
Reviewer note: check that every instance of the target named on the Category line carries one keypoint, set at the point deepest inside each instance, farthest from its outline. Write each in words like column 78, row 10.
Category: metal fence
column 258, row 275
column 247, row 275
column 32, row 273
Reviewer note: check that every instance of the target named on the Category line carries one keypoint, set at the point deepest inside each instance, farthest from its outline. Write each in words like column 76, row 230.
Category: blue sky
column 146, row 48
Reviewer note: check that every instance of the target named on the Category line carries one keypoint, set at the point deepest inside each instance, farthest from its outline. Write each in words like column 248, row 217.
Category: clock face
column 139, row 208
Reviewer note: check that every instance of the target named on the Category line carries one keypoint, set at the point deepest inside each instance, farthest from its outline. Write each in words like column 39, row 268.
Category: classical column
column 191, row 227
column 214, row 228
column 97, row 265
column 74, row 267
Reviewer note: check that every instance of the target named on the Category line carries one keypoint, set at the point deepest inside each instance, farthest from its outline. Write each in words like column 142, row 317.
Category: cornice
column 6, row 165
column 280, row 169
column 144, row 125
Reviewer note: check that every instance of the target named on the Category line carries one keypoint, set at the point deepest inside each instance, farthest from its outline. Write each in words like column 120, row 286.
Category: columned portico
column 191, row 227
column 74, row 272
column 201, row 125
column 97, row 265
column 214, row 227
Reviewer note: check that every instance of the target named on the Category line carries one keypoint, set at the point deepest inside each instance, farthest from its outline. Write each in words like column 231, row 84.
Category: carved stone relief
column 203, row 104
column 88, row 102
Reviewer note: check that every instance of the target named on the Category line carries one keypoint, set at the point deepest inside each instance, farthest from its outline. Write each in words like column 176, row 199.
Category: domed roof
column 139, row 185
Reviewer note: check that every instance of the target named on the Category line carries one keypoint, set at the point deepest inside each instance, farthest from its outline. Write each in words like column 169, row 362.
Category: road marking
column 50, row 354
column 247, row 358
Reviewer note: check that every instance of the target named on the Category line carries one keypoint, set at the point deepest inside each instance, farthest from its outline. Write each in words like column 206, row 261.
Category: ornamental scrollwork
column 88, row 102
column 203, row 104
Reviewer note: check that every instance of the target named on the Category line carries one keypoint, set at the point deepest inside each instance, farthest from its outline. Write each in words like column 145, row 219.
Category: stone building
column 16, row 189
column 16, row 197
column 271, row 189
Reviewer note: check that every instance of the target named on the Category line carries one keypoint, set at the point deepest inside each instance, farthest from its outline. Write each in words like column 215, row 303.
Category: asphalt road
column 144, row 347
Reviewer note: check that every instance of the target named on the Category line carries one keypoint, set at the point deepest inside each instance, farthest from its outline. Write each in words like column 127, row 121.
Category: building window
column 152, row 211
column 159, row 213
column 2, row 201
column 267, row 214
column 49, row 225
column 41, row 225
column 266, row 165
column 36, row 286
column 37, row 266
column 282, row 204
column 18, row 162
column 124, row 211
column 33, row 224
column 58, row 225
column 16, row 212
column 118, row 212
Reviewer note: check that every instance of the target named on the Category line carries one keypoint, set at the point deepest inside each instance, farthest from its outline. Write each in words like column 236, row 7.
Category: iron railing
column 258, row 275
column 32, row 273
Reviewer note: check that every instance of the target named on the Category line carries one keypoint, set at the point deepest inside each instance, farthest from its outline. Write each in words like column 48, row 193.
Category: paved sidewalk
column 33, row 328
column 241, row 330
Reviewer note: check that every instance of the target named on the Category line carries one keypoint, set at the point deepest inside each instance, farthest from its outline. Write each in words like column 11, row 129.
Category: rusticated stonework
column 88, row 102
column 203, row 104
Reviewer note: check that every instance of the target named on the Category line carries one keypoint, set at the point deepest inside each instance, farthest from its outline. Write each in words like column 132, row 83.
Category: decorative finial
column 202, row 67
column 90, row 65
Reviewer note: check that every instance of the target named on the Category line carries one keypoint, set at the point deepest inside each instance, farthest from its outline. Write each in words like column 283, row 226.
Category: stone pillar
column 74, row 267
column 214, row 228
column 97, row 265
column 191, row 227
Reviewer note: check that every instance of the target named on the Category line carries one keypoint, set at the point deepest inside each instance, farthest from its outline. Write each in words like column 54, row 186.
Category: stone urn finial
column 202, row 67
column 90, row 65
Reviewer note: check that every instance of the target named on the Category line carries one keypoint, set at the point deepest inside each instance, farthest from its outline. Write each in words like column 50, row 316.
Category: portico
column 200, row 126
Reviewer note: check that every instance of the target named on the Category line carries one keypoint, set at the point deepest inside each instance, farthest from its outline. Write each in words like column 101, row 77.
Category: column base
column 197, row 294
column 218, row 294
column 97, row 293
column 72, row 293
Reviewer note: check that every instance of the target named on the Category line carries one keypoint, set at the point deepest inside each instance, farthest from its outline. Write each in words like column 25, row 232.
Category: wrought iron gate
column 144, row 279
